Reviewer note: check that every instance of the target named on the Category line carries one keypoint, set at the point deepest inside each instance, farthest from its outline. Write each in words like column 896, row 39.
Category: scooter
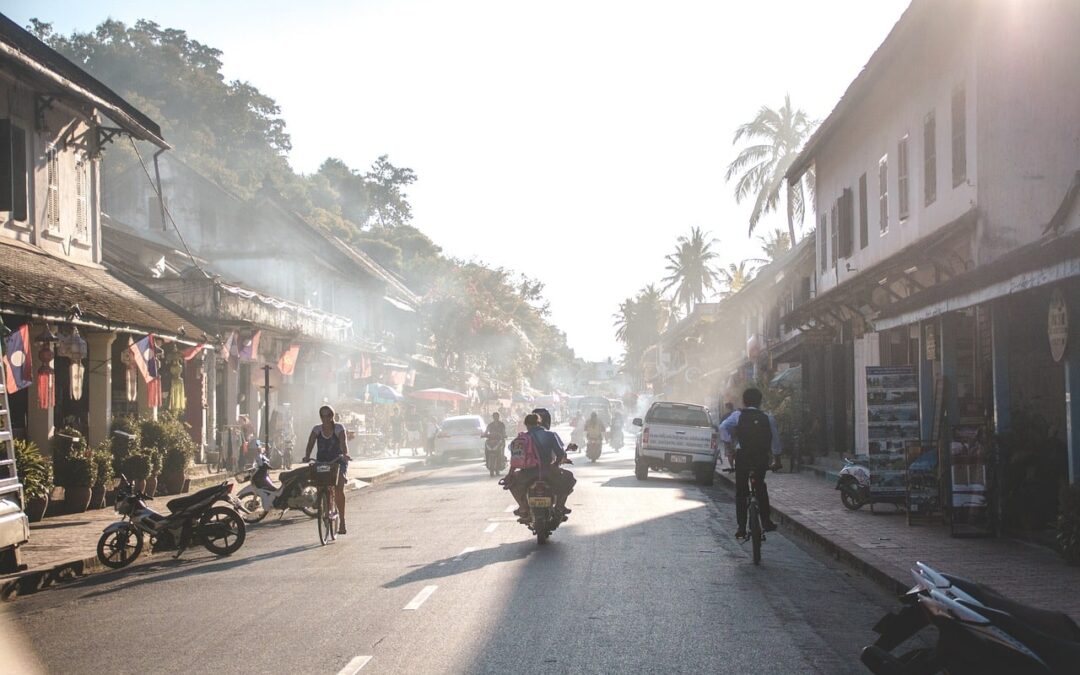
column 594, row 447
column 192, row 519
column 978, row 631
column 261, row 495
column 854, row 484
column 494, row 455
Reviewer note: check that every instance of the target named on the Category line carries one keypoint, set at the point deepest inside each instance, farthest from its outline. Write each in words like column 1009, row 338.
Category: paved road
column 435, row 576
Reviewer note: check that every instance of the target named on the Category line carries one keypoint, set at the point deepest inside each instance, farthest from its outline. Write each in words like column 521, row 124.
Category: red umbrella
column 438, row 394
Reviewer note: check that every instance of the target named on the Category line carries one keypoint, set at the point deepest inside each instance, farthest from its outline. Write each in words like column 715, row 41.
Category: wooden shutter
column 13, row 197
column 847, row 223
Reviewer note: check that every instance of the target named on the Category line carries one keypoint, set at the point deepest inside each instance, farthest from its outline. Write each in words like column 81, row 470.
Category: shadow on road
column 472, row 561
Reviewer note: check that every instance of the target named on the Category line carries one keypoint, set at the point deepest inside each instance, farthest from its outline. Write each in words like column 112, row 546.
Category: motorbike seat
column 181, row 503
column 1061, row 655
column 1056, row 624
column 289, row 475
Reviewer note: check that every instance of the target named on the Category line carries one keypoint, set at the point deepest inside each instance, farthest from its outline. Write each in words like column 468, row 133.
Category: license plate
column 323, row 469
column 540, row 502
column 680, row 459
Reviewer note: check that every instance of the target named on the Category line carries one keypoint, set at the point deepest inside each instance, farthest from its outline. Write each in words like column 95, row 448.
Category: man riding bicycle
column 755, row 433
column 333, row 445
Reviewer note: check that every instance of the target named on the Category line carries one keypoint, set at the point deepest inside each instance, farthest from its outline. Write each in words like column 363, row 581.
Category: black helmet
column 545, row 417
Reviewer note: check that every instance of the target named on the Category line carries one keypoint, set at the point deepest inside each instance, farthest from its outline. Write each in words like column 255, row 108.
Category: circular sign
column 1057, row 325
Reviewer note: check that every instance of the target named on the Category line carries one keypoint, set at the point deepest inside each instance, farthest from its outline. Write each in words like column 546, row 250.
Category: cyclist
column 755, row 433
column 333, row 445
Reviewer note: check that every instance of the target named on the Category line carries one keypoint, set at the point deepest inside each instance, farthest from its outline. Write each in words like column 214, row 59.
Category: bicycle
column 325, row 478
column 753, row 514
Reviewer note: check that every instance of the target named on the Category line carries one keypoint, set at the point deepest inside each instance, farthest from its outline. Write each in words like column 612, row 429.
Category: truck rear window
column 679, row 415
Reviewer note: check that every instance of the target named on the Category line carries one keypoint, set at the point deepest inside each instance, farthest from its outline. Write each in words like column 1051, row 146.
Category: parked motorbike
column 495, row 455
column 594, row 447
column 854, row 484
column 295, row 491
column 192, row 520
column 978, row 631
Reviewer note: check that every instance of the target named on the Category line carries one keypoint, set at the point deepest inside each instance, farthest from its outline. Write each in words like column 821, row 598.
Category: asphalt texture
column 435, row 576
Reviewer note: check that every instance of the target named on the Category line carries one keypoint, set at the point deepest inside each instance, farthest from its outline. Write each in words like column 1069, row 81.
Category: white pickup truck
column 676, row 437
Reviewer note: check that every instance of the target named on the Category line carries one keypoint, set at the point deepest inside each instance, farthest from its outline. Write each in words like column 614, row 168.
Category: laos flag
column 17, row 367
column 144, row 358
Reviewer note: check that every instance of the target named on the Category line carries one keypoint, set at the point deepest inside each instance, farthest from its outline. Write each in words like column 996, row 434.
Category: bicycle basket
column 326, row 473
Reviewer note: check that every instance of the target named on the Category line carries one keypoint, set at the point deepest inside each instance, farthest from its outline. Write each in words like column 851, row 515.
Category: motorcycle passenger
column 755, row 434
column 333, row 444
column 566, row 477
column 551, row 453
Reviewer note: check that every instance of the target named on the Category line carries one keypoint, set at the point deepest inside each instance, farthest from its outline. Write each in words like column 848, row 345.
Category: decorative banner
column 131, row 374
column 192, row 352
column 287, row 363
column 250, row 350
column 361, row 367
column 143, row 355
column 892, row 397
column 19, row 372
column 153, row 393
column 44, row 381
column 177, row 398
column 228, row 350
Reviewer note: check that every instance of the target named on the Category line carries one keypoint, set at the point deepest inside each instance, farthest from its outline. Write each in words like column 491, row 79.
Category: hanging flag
column 17, row 367
column 144, row 358
column 287, row 363
column 192, row 352
column 153, row 393
column 228, row 349
column 250, row 350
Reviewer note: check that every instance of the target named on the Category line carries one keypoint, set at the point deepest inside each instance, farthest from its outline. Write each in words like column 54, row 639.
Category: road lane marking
column 355, row 665
column 510, row 509
column 421, row 597
column 467, row 551
column 490, row 528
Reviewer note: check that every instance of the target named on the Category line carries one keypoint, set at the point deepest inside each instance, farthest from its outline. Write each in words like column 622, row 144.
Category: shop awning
column 398, row 304
column 37, row 284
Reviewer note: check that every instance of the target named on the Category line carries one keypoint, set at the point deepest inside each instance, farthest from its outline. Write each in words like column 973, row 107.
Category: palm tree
column 734, row 277
column 639, row 322
column 775, row 244
column 692, row 270
column 761, row 166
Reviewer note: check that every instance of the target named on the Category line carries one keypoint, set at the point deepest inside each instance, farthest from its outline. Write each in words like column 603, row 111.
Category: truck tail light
column 645, row 436
column 715, row 441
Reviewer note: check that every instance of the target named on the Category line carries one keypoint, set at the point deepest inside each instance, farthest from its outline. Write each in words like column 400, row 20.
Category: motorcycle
column 616, row 438
column 594, row 447
column 854, row 484
column 494, row 455
column 193, row 519
column 261, row 495
column 978, row 631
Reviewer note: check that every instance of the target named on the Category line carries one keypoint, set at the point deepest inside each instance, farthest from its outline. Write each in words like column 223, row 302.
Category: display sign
column 968, row 481
column 1057, row 325
column 923, row 480
column 892, row 398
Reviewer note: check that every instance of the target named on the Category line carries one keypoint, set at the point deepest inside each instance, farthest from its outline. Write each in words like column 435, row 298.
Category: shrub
column 136, row 466
column 35, row 470
column 176, row 461
column 1068, row 524
column 124, row 445
column 80, row 471
column 103, row 460
column 168, row 435
column 67, row 444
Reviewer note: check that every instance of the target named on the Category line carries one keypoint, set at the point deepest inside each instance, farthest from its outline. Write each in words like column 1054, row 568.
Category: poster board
column 968, row 482
column 923, row 481
column 892, row 411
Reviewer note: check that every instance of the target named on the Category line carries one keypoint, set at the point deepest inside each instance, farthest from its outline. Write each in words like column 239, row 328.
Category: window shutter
column 7, row 184
column 847, row 222
column 19, row 196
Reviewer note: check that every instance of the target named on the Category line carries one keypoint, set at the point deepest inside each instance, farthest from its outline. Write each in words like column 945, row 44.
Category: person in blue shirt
column 755, row 434
column 549, row 448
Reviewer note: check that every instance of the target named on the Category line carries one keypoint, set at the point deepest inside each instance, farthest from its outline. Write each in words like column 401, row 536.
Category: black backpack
column 753, row 431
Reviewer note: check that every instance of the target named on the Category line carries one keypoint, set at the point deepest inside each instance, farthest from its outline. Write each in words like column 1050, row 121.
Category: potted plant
column 156, row 458
column 124, row 439
column 136, row 467
column 172, row 437
column 174, row 469
column 78, row 479
column 36, row 474
column 102, row 456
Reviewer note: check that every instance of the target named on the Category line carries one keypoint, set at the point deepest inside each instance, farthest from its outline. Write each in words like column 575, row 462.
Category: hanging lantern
column 77, row 351
column 44, row 379
column 177, row 398
column 131, row 384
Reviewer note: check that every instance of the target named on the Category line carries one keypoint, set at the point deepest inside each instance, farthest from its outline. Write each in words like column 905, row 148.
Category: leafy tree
column 639, row 322
column 777, row 137
column 775, row 244
column 691, row 268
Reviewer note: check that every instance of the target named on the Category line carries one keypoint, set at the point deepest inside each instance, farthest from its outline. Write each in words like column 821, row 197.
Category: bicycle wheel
column 755, row 529
column 335, row 517
column 324, row 516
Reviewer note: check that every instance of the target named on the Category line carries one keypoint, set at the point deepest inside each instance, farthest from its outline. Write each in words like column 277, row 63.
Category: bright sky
column 596, row 131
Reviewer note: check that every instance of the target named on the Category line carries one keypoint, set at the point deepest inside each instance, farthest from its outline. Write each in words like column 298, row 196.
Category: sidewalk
column 884, row 547
column 64, row 547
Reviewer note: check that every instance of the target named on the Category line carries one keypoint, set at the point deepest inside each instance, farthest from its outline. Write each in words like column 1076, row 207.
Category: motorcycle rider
column 550, row 449
column 496, row 429
column 755, row 434
column 594, row 428
column 333, row 444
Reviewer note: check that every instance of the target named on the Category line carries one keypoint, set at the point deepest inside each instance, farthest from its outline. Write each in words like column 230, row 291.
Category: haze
column 572, row 141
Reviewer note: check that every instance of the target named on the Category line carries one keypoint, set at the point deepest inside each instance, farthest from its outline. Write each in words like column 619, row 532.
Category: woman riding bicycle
column 333, row 445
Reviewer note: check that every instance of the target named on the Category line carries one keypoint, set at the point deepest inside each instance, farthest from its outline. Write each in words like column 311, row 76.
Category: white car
column 460, row 436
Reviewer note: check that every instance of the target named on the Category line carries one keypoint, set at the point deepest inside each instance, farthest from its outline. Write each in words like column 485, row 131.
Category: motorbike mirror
column 638, row 422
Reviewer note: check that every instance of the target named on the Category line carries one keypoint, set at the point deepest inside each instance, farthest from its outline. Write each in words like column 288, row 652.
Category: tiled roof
column 35, row 282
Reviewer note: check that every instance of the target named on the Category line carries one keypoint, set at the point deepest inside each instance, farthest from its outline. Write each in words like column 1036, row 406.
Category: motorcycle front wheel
column 119, row 548
column 223, row 531
column 850, row 498
column 253, row 509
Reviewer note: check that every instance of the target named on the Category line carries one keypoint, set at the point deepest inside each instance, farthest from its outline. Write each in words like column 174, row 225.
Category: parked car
column 676, row 437
column 460, row 436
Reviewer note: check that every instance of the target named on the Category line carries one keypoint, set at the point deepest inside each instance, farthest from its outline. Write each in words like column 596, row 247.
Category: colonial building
column 58, row 121
column 947, row 223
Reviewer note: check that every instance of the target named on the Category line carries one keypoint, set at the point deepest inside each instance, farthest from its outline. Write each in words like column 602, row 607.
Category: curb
column 32, row 581
column 375, row 479
column 852, row 559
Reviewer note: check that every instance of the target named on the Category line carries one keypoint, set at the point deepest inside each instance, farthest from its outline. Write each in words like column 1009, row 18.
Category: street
column 436, row 576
